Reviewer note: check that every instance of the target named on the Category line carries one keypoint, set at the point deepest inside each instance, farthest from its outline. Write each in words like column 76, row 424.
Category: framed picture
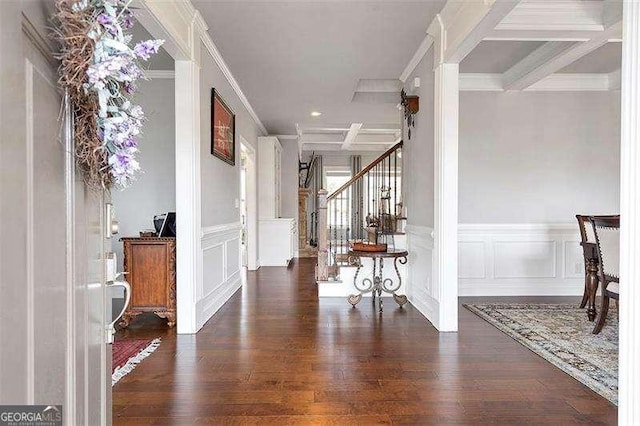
column 223, row 130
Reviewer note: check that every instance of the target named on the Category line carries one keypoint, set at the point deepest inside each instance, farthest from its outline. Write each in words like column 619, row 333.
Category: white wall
column 418, row 197
column 220, row 181
column 529, row 162
column 154, row 191
column 417, row 152
column 220, row 243
column 538, row 157
column 289, row 168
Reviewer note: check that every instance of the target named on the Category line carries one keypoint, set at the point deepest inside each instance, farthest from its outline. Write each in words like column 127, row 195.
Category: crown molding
column 217, row 57
column 486, row 82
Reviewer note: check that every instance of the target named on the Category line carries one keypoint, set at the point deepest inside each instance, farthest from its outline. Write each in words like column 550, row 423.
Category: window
column 339, row 211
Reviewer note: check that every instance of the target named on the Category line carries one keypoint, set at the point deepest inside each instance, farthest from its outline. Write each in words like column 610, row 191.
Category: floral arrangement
column 99, row 68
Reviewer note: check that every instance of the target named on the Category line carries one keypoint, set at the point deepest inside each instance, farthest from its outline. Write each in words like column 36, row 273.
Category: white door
column 52, row 236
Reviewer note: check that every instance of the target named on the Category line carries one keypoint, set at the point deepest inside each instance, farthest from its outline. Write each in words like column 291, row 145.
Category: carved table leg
column 127, row 317
column 592, row 288
column 170, row 316
column 378, row 281
column 354, row 299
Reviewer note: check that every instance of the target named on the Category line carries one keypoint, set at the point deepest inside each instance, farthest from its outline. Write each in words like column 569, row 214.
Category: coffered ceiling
column 343, row 60
column 292, row 58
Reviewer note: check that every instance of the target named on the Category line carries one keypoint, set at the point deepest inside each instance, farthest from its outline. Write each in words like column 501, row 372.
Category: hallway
column 275, row 354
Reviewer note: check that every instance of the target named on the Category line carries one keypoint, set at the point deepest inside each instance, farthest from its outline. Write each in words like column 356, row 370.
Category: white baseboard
column 221, row 269
column 520, row 260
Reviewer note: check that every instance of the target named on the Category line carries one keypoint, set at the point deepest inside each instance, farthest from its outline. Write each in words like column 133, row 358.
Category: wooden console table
column 150, row 266
column 377, row 283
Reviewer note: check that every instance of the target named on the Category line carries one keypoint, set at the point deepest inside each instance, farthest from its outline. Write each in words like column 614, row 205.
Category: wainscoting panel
column 519, row 260
column 420, row 289
column 221, row 272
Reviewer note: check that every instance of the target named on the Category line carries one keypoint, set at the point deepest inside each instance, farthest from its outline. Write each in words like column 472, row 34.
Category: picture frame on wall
column 223, row 129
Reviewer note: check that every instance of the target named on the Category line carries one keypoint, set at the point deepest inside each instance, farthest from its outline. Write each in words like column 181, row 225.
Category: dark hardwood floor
column 275, row 354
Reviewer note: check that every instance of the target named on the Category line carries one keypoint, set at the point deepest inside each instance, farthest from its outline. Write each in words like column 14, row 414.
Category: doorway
column 248, row 205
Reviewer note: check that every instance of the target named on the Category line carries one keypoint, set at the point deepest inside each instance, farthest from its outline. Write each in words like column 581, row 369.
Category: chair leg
column 602, row 315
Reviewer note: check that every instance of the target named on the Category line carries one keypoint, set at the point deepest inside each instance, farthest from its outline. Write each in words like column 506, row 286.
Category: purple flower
column 123, row 166
column 130, row 142
column 105, row 19
column 130, row 88
column 145, row 49
column 127, row 19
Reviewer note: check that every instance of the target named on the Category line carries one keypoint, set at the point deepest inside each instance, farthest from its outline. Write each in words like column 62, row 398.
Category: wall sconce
column 411, row 105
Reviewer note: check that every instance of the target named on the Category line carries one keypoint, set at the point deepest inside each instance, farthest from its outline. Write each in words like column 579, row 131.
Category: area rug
column 127, row 354
column 562, row 335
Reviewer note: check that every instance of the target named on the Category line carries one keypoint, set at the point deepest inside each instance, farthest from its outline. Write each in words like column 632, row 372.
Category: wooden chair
column 589, row 248
column 607, row 233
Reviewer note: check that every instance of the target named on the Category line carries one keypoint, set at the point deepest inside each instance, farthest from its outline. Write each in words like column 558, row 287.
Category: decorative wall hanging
column 223, row 129
column 411, row 105
column 99, row 69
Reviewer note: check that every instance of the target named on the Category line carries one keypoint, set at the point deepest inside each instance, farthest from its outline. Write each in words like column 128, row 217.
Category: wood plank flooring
column 275, row 354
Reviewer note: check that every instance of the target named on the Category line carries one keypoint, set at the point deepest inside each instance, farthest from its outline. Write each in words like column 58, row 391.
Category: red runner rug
column 127, row 354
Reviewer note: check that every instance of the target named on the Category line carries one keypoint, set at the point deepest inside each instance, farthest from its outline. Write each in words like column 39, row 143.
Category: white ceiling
column 497, row 56
column 491, row 56
column 294, row 57
column 605, row 59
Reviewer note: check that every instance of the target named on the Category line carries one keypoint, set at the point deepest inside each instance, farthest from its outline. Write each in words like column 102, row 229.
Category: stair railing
column 366, row 207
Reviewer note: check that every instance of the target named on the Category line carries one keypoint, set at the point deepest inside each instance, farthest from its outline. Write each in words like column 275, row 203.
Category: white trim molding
column 486, row 82
column 629, row 352
column 420, row 272
column 222, row 269
column 172, row 21
column 188, row 193
column 520, row 259
column 217, row 57
column 445, row 265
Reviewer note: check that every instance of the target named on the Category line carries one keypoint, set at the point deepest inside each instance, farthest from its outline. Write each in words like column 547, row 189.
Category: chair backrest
column 586, row 230
column 607, row 233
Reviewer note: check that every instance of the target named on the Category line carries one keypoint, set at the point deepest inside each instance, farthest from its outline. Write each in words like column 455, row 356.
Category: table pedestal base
column 377, row 284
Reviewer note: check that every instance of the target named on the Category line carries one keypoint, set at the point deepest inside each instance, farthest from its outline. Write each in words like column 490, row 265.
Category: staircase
column 368, row 207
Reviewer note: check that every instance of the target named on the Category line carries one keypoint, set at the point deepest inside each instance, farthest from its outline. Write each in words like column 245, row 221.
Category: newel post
column 322, row 268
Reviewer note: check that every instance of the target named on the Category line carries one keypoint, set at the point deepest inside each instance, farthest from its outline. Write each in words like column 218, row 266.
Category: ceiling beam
column 544, row 35
column 417, row 57
column 462, row 25
column 566, row 15
column 561, row 82
column 339, row 130
column 319, row 147
column 352, row 134
column 552, row 57
column 558, row 20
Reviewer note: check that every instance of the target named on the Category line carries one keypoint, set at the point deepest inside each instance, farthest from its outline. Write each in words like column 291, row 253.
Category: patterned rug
column 562, row 335
column 127, row 354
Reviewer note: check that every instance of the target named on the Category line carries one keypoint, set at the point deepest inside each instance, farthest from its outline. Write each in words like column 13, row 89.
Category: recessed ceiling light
column 316, row 113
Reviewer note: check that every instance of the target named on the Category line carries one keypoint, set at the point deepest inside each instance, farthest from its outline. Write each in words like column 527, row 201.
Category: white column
column 446, row 195
column 629, row 355
column 188, row 191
